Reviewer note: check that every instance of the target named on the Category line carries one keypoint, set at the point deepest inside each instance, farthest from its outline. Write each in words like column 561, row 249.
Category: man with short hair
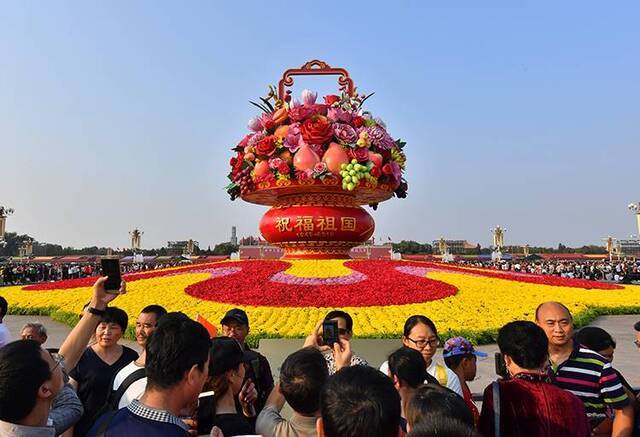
column 584, row 372
column 135, row 383
column 177, row 364
column 637, row 340
column 34, row 401
column 235, row 324
column 460, row 356
column 359, row 401
column 302, row 376
column 408, row 371
column 29, row 381
column 5, row 336
column 34, row 331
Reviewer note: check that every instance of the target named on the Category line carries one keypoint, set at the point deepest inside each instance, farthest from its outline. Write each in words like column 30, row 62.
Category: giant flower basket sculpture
column 315, row 163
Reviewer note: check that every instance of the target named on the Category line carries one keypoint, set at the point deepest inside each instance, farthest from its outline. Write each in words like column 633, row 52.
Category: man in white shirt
column 5, row 336
column 145, row 325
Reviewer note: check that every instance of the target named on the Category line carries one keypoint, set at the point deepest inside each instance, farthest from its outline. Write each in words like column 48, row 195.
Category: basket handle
column 315, row 67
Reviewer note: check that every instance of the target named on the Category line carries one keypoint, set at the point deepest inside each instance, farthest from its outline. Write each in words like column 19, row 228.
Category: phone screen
column 111, row 268
column 330, row 332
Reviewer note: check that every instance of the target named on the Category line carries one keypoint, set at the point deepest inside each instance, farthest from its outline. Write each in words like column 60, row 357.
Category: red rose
column 316, row 130
column 357, row 121
column 375, row 172
column 331, row 99
column 284, row 168
column 386, row 169
column 359, row 153
column 266, row 146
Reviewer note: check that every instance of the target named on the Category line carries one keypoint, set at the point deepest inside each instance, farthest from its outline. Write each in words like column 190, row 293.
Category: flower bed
column 286, row 299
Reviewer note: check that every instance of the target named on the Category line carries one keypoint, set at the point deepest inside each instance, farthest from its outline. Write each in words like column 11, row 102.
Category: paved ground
column 375, row 351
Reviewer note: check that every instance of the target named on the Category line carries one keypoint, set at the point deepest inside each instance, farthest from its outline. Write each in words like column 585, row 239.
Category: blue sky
column 121, row 114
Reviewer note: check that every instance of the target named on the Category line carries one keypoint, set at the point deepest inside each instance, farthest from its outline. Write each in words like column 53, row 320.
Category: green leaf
column 365, row 99
column 266, row 102
column 260, row 106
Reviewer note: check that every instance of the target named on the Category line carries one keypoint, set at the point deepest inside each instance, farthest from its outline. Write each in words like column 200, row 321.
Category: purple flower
column 344, row 133
column 379, row 137
column 339, row 115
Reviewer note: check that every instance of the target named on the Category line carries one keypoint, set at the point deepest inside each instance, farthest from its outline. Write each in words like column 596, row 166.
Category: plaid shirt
column 139, row 409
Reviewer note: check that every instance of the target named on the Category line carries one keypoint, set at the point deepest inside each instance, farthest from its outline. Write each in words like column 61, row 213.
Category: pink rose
column 339, row 115
column 301, row 113
column 320, row 168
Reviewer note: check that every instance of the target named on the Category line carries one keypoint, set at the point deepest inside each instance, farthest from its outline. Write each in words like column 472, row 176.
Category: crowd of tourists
column 30, row 273
column 601, row 270
column 553, row 381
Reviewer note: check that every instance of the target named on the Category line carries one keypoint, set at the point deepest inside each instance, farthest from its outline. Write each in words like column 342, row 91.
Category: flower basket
column 315, row 164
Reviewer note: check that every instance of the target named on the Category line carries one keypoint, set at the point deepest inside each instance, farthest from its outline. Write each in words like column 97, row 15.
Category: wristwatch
column 95, row 311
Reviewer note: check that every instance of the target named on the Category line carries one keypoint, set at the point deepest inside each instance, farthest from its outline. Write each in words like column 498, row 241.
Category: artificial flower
column 345, row 133
column 266, row 146
column 309, row 97
column 316, row 130
column 331, row 99
column 255, row 124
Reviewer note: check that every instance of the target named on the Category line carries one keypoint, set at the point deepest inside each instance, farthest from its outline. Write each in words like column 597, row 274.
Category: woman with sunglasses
column 420, row 333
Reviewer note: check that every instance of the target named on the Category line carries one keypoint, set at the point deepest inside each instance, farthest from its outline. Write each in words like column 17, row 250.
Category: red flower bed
column 524, row 277
column 383, row 286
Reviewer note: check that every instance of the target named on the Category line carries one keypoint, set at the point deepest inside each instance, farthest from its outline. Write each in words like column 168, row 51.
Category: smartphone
column 111, row 269
column 501, row 367
column 330, row 332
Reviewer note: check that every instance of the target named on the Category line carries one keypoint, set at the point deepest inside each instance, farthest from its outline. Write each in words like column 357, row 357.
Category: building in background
column 456, row 247
column 629, row 248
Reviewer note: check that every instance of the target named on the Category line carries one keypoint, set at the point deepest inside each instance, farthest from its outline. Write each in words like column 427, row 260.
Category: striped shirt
column 590, row 377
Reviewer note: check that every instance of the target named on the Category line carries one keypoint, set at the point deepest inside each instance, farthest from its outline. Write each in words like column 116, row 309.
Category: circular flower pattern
column 287, row 298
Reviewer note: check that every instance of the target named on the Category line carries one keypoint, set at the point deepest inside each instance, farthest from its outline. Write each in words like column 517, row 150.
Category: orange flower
column 281, row 131
column 280, row 115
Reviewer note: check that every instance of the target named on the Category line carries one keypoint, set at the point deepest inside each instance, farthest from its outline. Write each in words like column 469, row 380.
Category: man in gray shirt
column 302, row 377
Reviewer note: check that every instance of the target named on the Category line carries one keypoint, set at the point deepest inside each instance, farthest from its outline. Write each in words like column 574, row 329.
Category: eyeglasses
column 421, row 344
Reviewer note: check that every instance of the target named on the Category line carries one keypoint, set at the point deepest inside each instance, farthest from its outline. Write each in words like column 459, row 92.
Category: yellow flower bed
column 480, row 307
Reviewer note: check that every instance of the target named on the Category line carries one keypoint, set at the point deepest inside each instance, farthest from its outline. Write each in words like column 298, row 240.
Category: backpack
column 115, row 395
column 113, row 399
column 441, row 374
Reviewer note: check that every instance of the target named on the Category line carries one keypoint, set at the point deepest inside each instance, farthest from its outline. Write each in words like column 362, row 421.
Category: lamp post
column 4, row 213
column 635, row 207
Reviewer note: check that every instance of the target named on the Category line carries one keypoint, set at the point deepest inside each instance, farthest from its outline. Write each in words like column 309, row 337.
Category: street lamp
column 4, row 213
column 635, row 207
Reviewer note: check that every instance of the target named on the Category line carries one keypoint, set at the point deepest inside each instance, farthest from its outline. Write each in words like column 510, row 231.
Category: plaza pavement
column 627, row 356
